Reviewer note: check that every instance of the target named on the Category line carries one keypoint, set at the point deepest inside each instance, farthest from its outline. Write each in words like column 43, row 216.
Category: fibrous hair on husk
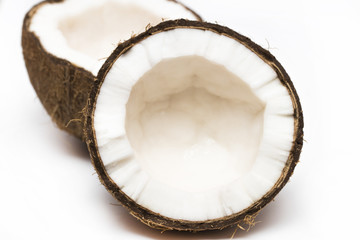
column 156, row 220
column 61, row 86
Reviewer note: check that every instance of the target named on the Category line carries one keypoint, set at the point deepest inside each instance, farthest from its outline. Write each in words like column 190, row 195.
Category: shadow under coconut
column 76, row 147
column 71, row 145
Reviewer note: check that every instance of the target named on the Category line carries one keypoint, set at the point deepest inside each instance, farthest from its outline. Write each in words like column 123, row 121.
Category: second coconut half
column 192, row 126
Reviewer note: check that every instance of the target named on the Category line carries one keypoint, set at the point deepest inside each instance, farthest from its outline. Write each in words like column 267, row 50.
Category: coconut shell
column 61, row 86
column 156, row 220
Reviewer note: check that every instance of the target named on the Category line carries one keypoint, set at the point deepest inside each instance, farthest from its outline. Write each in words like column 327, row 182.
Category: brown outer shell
column 61, row 86
column 153, row 219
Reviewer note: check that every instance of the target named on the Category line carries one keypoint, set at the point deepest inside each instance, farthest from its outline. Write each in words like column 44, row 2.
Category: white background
column 49, row 190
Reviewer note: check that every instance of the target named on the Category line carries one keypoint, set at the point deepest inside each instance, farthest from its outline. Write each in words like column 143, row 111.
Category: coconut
column 66, row 42
column 192, row 126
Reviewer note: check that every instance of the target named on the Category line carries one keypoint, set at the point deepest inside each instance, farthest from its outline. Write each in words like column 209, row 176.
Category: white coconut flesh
column 85, row 32
column 193, row 125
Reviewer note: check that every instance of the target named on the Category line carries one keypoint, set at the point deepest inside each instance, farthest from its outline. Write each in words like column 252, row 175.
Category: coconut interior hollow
column 193, row 125
column 85, row 32
column 106, row 25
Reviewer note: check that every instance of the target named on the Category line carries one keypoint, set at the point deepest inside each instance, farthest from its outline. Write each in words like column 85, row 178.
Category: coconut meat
column 184, row 123
column 193, row 125
column 85, row 32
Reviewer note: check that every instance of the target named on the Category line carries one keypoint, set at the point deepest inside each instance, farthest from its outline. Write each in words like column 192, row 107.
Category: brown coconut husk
column 156, row 220
column 61, row 86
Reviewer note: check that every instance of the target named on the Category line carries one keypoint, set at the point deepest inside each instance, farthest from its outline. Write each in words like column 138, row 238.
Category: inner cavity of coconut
column 97, row 31
column 193, row 125
column 85, row 32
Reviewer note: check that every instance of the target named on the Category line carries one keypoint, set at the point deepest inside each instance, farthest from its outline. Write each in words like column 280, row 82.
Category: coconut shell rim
column 29, row 15
column 156, row 220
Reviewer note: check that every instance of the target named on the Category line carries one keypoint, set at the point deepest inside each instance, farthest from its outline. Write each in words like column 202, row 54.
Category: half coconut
column 192, row 126
column 65, row 43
